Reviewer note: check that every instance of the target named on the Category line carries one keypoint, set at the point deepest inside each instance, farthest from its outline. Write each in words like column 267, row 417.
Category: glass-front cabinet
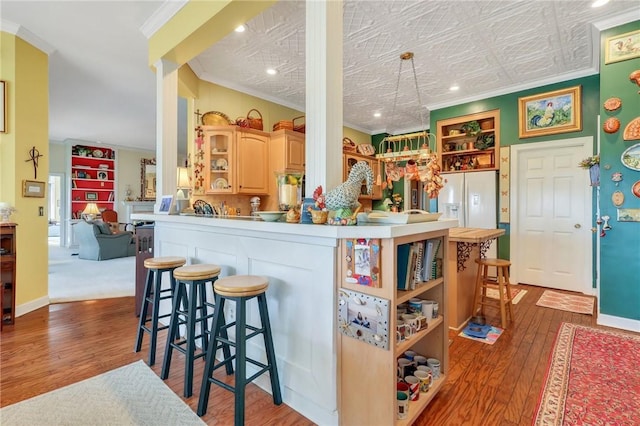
column 236, row 160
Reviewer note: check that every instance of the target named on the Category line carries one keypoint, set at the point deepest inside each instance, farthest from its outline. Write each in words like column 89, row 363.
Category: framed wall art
column 363, row 261
column 622, row 47
column 33, row 188
column 559, row 111
column 364, row 317
column 91, row 196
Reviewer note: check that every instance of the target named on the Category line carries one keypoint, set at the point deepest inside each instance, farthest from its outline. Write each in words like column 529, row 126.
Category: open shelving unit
column 367, row 373
column 93, row 178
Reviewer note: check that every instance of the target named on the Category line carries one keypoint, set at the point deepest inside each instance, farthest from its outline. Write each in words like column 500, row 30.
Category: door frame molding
column 585, row 144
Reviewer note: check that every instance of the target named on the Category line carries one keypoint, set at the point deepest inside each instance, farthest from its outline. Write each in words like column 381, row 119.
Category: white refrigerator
column 471, row 198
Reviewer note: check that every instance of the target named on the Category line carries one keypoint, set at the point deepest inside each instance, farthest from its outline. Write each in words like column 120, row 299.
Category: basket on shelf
column 348, row 145
column 299, row 127
column 254, row 122
column 290, row 125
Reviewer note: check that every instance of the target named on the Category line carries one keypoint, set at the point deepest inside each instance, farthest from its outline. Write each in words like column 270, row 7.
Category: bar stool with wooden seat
column 191, row 294
column 153, row 294
column 481, row 299
column 239, row 288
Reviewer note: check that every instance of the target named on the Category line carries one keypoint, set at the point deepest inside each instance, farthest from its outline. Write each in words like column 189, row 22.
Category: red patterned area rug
column 566, row 302
column 592, row 379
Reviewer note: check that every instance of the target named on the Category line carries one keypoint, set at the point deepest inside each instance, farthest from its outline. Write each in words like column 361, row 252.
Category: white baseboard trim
column 619, row 322
column 32, row 305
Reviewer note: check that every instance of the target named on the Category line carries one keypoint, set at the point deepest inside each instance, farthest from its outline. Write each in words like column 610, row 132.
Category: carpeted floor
column 567, row 302
column 129, row 395
column 592, row 379
column 72, row 279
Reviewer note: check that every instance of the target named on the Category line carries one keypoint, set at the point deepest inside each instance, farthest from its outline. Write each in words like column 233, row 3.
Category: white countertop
column 369, row 230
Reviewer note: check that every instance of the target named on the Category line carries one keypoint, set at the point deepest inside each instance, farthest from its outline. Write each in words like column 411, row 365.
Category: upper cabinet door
column 294, row 154
column 252, row 149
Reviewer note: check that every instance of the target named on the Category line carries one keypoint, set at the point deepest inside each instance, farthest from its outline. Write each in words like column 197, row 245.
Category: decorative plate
column 219, row 183
column 630, row 158
column 635, row 189
column 612, row 104
column 221, row 164
column 632, row 131
column 611, row 125
column 98, row 153
column 215, row 118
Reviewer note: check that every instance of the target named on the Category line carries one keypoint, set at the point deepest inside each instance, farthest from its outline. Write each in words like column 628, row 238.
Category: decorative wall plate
column 635, row 189
column 221, row 164
column 617, row 198
column 98, row 153
column 612, row 104
column 611, row 125
column 632, row 131
column 630, row 158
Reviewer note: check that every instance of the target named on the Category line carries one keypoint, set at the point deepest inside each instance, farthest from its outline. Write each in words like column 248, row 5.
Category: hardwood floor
column 488, row 384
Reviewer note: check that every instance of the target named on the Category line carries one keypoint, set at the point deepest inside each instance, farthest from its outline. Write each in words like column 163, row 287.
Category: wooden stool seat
column 164, row 262
column 241, row 285
column 196, row 272
column 504, row 301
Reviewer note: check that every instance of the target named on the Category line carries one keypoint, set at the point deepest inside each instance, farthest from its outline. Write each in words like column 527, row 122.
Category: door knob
column 577, row 226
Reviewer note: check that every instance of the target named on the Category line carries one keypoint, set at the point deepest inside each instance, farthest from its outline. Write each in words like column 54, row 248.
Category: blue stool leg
column 241, row 359
column 178, row 295
column 268, row 344
column 145, row 309
column 204, row 313
column 154, row 317
column 191, row 341
column 218, row 321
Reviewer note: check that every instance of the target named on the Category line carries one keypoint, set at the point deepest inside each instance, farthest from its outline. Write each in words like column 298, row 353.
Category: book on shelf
column 110, row 196
column 402, row 256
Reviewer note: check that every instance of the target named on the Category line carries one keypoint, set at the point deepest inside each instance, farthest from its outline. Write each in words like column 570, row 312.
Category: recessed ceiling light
column 240, row 29
column 377, row 114
column 271, row 71
column 598, row 3
column 454, row 87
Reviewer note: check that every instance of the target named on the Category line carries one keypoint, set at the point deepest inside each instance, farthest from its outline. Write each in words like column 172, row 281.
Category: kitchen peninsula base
column 302, row 263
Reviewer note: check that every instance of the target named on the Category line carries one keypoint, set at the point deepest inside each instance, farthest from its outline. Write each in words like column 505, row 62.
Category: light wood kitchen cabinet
column 236, row 160
column 287, row 150
column 350, row 160
column 461, row 152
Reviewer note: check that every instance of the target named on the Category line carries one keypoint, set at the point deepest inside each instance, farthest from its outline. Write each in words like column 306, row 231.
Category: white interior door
column 551, row 224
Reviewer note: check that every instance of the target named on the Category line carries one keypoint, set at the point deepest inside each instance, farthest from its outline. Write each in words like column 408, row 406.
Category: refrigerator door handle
column 466, row 202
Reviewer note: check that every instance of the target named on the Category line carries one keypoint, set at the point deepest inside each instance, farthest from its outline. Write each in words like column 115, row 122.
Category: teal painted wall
column 508, row 106
column 620, row 248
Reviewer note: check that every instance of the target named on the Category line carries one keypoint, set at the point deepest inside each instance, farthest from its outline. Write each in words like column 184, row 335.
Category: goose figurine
column 344, row 198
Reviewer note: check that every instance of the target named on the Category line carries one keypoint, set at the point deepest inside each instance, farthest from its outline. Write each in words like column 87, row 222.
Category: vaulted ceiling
column 101, row 88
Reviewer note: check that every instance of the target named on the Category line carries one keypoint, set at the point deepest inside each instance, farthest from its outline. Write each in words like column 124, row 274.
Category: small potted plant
column 593, row 165
column 471, row 128
column 320, row 213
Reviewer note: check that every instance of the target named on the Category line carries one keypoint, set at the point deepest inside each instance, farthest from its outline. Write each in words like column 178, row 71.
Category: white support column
column 323, row 94
column 166, row 129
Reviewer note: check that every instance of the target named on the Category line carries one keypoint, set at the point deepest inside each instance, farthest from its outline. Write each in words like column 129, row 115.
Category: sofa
column 97, row 242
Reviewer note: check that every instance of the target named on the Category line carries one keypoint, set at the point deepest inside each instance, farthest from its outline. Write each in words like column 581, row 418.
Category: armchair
column 98, row 243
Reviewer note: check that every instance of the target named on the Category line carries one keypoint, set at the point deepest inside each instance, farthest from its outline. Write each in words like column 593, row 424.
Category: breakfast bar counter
column 302, row 263
column 465, row 246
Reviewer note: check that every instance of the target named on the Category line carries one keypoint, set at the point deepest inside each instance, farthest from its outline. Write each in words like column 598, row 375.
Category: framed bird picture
column 559, row 111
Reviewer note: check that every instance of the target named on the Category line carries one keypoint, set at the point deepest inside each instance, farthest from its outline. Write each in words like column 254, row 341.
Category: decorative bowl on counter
column 272, row 216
